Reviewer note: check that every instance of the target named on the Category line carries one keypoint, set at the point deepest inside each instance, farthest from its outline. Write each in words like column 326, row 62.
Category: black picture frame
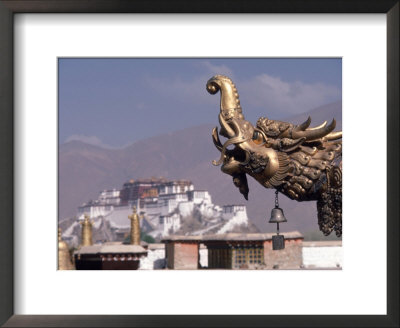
column 10, row 7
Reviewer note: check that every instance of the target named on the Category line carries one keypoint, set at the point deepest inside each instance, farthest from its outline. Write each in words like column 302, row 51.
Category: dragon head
column 245, row 149
column 301, row 162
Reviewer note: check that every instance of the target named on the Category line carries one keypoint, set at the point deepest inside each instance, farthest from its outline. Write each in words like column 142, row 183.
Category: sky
column 113, row 102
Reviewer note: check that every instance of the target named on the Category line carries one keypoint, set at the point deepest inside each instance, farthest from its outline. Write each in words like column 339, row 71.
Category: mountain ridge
column 85, row 170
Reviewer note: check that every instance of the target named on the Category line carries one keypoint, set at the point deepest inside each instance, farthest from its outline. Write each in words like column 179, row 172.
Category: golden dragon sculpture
column 302, row 163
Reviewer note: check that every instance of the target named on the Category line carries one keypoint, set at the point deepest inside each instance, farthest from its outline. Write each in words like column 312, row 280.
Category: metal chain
column 276, row 199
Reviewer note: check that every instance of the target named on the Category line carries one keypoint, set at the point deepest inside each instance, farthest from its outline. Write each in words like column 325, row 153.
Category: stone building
column 234, row 251
column 183, row 253
column 105, row 203
column 164, row 205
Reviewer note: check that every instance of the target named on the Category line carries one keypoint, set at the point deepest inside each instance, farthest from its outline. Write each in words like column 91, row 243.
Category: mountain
column 85, row 170
column 321, row 114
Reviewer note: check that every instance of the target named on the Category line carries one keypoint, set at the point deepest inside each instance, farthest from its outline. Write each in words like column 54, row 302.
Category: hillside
column 84, row 170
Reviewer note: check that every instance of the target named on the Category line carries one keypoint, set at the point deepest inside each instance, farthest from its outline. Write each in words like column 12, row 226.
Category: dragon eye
column 258, row 138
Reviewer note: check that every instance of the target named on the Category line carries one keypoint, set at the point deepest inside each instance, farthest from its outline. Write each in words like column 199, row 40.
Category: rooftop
column 156, row 246
column 107, row 248
column 322, row 243
column 232, row 237
column 147, row 180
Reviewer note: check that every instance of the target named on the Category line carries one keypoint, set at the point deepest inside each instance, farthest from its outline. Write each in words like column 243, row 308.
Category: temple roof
column 107, row 248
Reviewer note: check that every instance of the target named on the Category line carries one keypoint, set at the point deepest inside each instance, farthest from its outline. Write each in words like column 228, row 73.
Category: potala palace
column 165, row 207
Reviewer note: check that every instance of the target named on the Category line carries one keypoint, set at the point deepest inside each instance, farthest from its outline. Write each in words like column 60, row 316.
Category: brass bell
column 277, row 216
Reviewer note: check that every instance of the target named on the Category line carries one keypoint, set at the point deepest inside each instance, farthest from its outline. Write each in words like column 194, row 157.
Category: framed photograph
column 49, row 47
column 164, row 191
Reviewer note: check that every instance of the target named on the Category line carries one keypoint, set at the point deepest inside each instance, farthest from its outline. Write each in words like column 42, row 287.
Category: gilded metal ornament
column 301, row 162
column 64, row 258
column 135, row 227
column 87, row 234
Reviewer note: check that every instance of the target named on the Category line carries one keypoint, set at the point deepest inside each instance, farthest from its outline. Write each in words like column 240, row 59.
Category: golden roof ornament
column 301, row 162
column 64, row 259
column 87, row 235
column 135, row 226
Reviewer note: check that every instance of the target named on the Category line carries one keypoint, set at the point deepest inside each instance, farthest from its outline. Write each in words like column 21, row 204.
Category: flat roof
column 153, row 246
column 322, row 243
column 232, row 237
column 110, row 248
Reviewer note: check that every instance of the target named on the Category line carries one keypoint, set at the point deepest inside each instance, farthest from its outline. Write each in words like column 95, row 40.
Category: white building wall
column 203, row 253
column 200, row 196
column 95, row 210
column 151, row 209
column 109, row 197
column 237, row 218
column 185, row 208
column 168, row 223
column 322, row 257
column 103, row 205
column 171, row 206
column 227, row 215
column 172, row 199
column 174, row 189
column 176, row 223
column 155, row 259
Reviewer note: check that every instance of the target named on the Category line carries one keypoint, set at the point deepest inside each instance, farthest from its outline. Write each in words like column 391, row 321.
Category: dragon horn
column 333, row 136
column 318, row 127
column 303, row 125
column 314, row 134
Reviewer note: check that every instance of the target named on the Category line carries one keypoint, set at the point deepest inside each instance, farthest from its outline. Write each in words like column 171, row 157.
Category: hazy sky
column 115, row 102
